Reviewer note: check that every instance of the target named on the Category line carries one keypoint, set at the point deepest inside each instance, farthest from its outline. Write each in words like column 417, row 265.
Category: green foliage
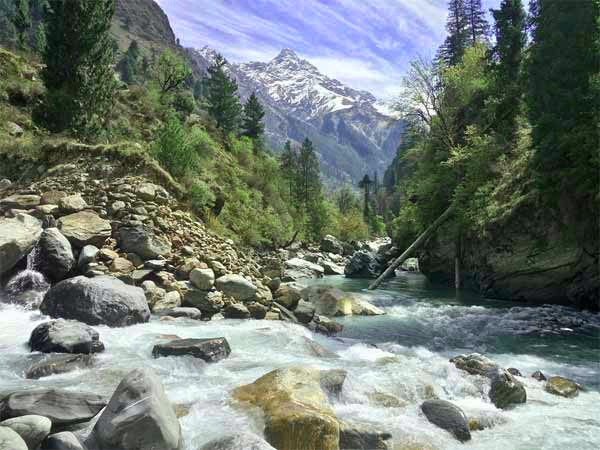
column 252, row 124
column 22, row 20
column 78, row 73
column 184, row 102
column 171, row 72
column 201, row 196
column 223, row 103
column 172, row 147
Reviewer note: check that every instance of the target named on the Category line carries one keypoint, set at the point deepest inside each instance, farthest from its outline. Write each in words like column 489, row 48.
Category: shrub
column 172, row 148
column 201, row 196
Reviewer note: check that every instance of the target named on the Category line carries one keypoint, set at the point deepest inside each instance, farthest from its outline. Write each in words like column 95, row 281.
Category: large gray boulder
column 506, row 390
column 32, row 429
column 65, row 336
column 202, row 278
column 448, row 417
column 363, row 264
column 103, row 300
column 297, row 269
column 236, row 286
column 55, row 363
column 64, row 440
column 61, row 406
column 55, row 258
column 239, row 441
column 142, row 241
column 10, row 440
column 209, row 350
column 139, row 416
column 332, row 245
column 17, row 237
column 85, row 228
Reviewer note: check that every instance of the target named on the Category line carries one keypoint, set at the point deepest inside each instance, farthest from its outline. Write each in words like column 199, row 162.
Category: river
column 403, row 354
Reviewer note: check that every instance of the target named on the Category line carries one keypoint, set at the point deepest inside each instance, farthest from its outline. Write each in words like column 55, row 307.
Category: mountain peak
column 287, row 53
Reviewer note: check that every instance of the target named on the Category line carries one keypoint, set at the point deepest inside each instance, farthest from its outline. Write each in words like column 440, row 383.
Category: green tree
column 457, row 26
column 346, row 200
column 171, row 72
column 40, row 38
column 288, row 162
column 309, row 181
column 129, row 65
column 78, row 75
column 365, row 184
column 22, row 21
column 477, row 24
column 254, row 114
column 172, row 147
column 223, row 102
column 563, row 104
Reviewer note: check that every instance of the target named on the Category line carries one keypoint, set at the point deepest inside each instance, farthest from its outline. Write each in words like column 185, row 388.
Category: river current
column 402, row 355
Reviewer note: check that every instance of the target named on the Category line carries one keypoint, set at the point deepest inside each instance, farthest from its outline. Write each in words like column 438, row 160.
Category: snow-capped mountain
column 346, row 125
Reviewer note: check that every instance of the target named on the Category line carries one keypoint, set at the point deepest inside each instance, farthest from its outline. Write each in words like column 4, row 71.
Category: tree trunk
column 414, row 246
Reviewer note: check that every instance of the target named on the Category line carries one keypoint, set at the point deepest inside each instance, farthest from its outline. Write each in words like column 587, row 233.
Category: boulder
column 62, row 407
column 17, row 237
column 322, row 324
column 146, row 191
column 447, row 416
column 121, row 265
column 10, row 440
column 236, row 286
column 139, row 416
column 331, row 268
column 72, row 203
column 359, row 437
column 304, row 312
column 210, row 303
column 289, row 294
column 52, row 197
column 562, row 387
column 332, row 245
column 297, row 412
column 142, row 241
column 153, row 293
column 506, row 390
column 257, row 310
column 188, row 313
column 65, row 336
column 236, row 311
column 475, row 364
column 20, row 201
column 55, row 254
column 85, row 228
column 538, row 375
column 209, row 350
column 32, row 429
column 102, row 300
column 203, row 279
column 64, row 440
column 87, row 255
column 169, row 300
column 363, row 264
column 56, row 363
column 330, row 301
column 240, row 441
column 296, row 269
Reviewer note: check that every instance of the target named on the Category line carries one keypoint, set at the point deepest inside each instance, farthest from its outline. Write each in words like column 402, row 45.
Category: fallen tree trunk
column 414, row 246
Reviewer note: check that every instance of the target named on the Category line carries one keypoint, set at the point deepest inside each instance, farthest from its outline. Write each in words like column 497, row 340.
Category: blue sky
column 366, row 44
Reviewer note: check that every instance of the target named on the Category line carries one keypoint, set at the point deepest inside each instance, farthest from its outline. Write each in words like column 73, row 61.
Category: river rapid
column 402, row 355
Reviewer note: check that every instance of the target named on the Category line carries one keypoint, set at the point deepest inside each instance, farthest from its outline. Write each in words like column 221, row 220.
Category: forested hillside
column 504, row 128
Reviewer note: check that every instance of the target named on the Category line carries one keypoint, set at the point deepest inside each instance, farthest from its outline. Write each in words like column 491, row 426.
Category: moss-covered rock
column 562, row 387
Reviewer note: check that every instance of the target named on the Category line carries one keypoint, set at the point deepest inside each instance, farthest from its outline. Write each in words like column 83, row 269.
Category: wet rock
column 506, row 390
column 324, row 325
column 20, row 201
column 142, row 241
column 203, row 279
column 32, row 429
column 56, row 363
column 562, row 387
column 289, row 294
column 102, row 300
column 236, row 286
column 318, row 350
column 305, row 311
column 538, row 375
column 62, row 407
column 385, row 400
column 297, row 412
column 72, row 203
column 236, row 311
column 240, row 441
column 330, row 301
column 332, row 245
column 55, row 254
column 63, row 441
column 85, row 228
column 65, row 336
column 188, row 313
column 514, row 372
column 363, row 264
column 209, row 350
column 359, row 437
column 139, row 416
column 17, row 237
column 448, row 417
column 475, row 364
column 10, row 440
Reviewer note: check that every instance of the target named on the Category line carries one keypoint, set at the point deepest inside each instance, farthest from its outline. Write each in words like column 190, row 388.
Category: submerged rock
column 297, row 413
column 17, row 237
column 62, row 407
column 506, row 390
column 56, row 363
column 32, row 429
column 475, row 364
column 240, row 441
column 209, row 350
column 359, row 437
column 65, row 336
column 562, row 387
column 139, row 416
column 448, row 417
column 102, row 300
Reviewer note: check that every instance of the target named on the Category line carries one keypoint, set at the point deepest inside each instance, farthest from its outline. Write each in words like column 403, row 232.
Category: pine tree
column 78, row 75
column 477, row 24
column 289, row 167
column 129, row 65
column 452, row 50
column 253, row 118
column 365, row 184
column 22, row 21
column 507, row 54
column 561, row 97
column 223, row 103
column 309, row 182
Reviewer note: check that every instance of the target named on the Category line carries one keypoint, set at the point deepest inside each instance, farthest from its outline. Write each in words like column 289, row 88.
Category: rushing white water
column 407, row 364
